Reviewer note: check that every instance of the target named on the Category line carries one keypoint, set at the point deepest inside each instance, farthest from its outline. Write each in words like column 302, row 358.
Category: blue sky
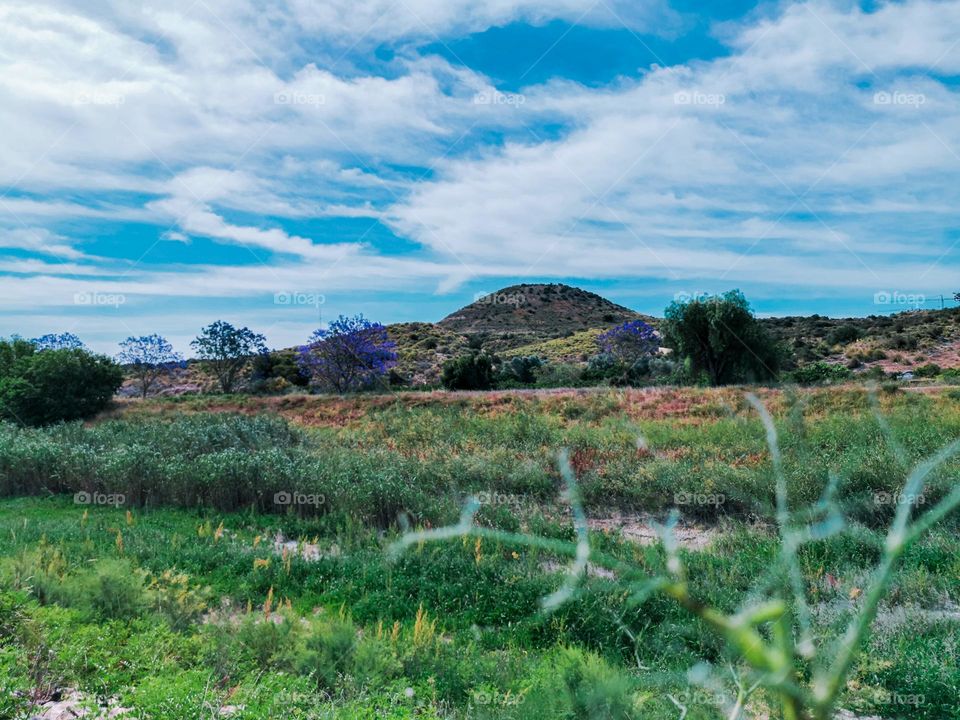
column 278, row 163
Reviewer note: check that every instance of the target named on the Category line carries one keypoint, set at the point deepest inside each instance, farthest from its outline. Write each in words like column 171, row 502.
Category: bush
column 49, row 386
column 927, row 371
column 901, row 342
column 952, row 376
column 277, row 370
column 522, row 370
column 820, row 372
column 844, row 334
column 468, row 372
column 607, row 368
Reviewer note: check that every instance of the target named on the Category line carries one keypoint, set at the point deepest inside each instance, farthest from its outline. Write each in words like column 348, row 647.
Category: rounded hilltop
column 527, row 313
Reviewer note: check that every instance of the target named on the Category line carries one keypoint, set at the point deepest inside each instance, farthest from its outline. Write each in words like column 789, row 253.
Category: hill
column 895, row 343
column 422, row 349
column 530, row 313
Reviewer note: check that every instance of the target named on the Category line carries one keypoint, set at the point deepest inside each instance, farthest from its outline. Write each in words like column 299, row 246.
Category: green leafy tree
column 147, row 358
column 719, row 337
column 49, row 386
column 227, row 351
column 468, row 372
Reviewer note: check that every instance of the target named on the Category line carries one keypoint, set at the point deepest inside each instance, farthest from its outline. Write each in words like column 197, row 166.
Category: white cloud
column 247, row 122
column 39, row 240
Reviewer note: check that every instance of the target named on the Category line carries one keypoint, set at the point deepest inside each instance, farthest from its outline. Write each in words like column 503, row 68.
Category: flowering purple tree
column 630, row 342
column 349, row 355
column 147, row 358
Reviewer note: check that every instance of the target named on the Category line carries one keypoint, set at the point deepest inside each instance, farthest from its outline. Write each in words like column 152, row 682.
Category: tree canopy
column 718, row 337
column 227, row 350
column 351, row 354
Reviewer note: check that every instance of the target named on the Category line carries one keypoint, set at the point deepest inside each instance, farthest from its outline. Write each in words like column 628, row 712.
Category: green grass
column 152, row 606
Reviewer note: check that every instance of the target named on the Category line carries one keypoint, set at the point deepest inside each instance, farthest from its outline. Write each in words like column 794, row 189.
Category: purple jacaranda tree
column 147, row 358
column 630, row 342
column 351, row 354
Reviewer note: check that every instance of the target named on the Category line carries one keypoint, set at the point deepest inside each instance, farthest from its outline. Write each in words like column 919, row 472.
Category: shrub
column 328, row 652
column 952, row 376
column 607, row 368
column 927, row 371
column 41, row 388
column 844, row 334
column 172, row 595
column 468, row 372
column 272, row 371
column 901, row 342
column 820, row 372
column 521, row 370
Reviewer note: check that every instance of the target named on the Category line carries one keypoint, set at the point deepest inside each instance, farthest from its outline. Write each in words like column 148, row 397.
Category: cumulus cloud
column 821, row 151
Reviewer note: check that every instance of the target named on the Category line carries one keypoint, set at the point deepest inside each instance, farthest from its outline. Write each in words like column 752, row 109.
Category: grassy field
column 208, row 556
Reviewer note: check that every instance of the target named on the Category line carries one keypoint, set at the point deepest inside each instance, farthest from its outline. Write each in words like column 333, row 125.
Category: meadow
column 202, row 557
